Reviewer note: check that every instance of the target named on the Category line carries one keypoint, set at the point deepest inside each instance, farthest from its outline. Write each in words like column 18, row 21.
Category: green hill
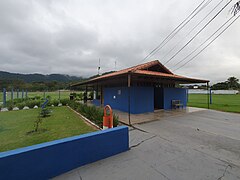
column 29, row 78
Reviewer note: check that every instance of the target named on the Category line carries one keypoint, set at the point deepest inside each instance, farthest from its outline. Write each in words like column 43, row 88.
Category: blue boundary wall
column 142, row 99
column 47, row 160
column 174, row 94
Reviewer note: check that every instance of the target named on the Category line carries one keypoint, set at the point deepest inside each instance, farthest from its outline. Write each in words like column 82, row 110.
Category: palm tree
column 233, row 82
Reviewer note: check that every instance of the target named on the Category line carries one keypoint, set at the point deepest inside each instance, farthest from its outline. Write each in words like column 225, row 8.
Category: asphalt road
column 197, row 145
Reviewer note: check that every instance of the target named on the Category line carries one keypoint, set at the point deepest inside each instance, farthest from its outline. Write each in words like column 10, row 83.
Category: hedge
column 93, row 113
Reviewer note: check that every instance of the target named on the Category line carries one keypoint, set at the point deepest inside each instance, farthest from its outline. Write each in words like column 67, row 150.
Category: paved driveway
column 197, row 145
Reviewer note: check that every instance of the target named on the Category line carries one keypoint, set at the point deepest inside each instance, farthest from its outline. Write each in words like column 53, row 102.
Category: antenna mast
column 99, row 66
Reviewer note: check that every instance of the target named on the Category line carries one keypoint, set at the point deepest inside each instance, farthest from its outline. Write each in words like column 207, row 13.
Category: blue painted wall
column 174, row 94
column 116, row 97
column 96, row 102
column 47, row 160
column 142, row 99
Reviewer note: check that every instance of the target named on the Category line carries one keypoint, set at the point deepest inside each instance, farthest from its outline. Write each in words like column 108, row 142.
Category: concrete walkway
column 153, row 116
column 198, row 145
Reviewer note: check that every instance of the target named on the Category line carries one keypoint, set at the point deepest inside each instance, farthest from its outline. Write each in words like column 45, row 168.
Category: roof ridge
column 150, row 63
column 144, row 65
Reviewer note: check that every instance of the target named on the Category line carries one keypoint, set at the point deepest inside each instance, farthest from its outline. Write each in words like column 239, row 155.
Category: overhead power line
column 192, row 30
column 208, row 44
column 204, row 41
column 198, row 32
column 236, row 8
column 177, row 29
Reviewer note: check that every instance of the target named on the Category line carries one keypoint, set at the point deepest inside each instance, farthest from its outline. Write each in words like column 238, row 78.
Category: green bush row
column 93, row 113
column 20, row 103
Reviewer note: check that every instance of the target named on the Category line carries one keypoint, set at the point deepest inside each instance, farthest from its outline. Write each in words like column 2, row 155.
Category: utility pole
column 129, row 98
column 99, row 67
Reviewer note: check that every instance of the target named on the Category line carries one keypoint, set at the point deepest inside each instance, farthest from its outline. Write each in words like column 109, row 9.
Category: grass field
column 54, row 95
column 229, row 103
column 14, row 126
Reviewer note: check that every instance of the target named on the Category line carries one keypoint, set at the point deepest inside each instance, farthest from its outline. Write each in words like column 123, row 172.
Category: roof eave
column 95, row 80
column 183, row 80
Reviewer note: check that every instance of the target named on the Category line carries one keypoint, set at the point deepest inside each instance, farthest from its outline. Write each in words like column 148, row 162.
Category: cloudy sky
column 69, row 36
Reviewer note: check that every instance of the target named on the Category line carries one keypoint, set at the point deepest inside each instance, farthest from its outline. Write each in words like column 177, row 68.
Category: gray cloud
column 70, row 36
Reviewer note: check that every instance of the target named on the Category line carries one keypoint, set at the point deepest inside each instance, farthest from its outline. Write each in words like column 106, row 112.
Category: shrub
column 16, row 101
column 53, row 102
column 49, row 97
column 32, row 103
column 93, row 113
column 74, row 95
column 31, row 98
column 91, row 95
column 115, row 120
column 64, row 101
column 10, row 107
column 37, row 97
column 73, row 105
column 21, row 105
column 45, row 112
column 80, row 96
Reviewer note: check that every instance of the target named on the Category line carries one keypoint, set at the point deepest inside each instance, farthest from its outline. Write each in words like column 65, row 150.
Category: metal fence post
column 12, row 94
column 210, row 90
column 26, row 94
column 17, row 93
column 208, row 95
column 4, row 97
column 22, row 93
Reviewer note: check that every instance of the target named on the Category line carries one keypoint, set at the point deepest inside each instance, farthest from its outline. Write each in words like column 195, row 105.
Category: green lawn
column 14, row 126
column 229, row 103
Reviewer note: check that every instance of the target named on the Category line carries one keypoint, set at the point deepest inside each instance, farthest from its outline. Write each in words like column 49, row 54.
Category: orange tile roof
column 132, row 69
column 141, row 70
column 172, row 76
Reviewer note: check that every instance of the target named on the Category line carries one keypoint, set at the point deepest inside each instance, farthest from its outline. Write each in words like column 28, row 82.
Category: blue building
column 140, row 89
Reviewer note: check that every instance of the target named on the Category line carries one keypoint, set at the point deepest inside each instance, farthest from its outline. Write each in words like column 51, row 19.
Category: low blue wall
column 174, row 94
column 47, row 160
column 142, row 99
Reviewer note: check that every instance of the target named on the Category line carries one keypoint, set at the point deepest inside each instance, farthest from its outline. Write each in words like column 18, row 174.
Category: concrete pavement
column 199, row 145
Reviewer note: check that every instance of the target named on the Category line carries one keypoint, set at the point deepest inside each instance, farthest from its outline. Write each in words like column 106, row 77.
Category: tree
column 220, row 86
column 233, row 82
column 45, row 112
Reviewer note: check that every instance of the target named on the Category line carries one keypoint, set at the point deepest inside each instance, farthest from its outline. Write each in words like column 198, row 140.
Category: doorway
column 158, row 98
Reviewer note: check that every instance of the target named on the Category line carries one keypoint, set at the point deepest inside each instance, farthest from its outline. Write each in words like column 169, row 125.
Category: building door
column 158, row 98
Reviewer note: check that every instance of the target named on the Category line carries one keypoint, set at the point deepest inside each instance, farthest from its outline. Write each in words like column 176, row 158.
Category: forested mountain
column 29, row 78
column 36, row 82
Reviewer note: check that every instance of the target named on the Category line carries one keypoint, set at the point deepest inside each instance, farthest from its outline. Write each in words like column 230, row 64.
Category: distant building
column 139, row 89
